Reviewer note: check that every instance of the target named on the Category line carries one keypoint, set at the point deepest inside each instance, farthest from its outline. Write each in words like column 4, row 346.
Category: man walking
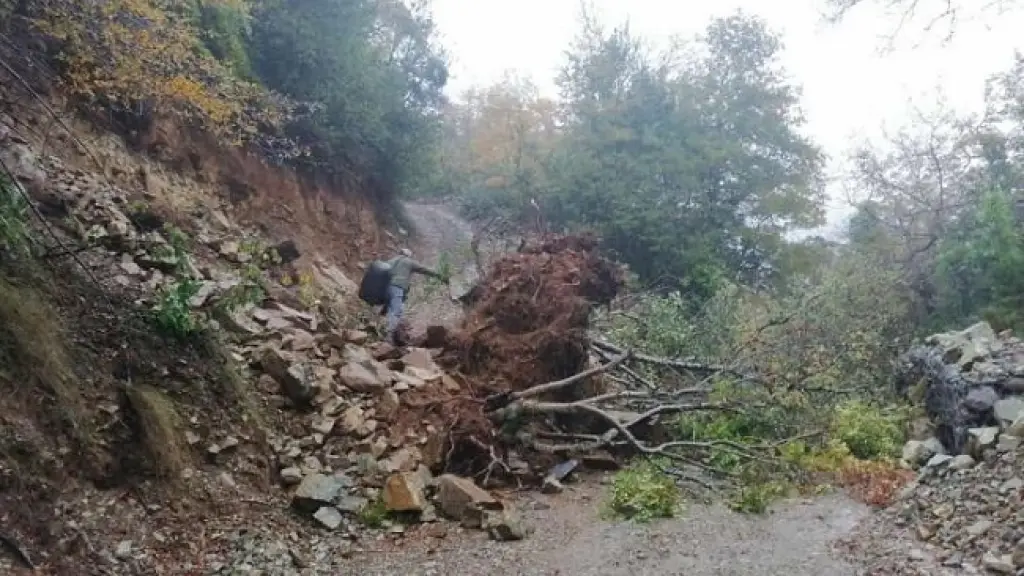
column 402, row 269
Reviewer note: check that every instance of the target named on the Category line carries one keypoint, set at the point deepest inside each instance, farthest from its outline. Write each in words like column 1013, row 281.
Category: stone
column 506, row 526
column 1012, row 485
column 352, row 419
column 432, row 450
column 357, row 337
column 403, row 460
column 1015, row 384
column 981, row 400
column 1007, row 443
column 356, row 354
column 301, row 341
column 229, row 250
column 450, row 385
column 551, row 485
column 979, row 528
column 916, row 452
column 1000, row 564
column 359, row 378
column 938, row 460
column 1009, row 410
column 367, row 429
column 323, row 425
column 291, row 476
column 129, row 266
column 329, row 517
column 206, row 289
column 123, row 550
column 311, row 465
column 388, row 405
column 420, row 358
column 351, row 504
column 1016, row 428
column 456, row 494
column 980, row 439
column 425, row 376
column 316, row 491
column 1017, row 558
column 293, row 378
column 962, row 462
column 404, row 492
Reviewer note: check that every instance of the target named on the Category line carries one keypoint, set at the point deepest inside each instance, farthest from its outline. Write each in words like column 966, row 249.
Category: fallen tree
column 537, row 389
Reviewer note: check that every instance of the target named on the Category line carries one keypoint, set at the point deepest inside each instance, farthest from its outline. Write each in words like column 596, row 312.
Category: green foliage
column 374, row 73
column 980, row 267
column 374, row 514
column 755, row 495
column 223, row 28
column 643, row 492
column 173, row 314
column 14, row 232
column 867, row 431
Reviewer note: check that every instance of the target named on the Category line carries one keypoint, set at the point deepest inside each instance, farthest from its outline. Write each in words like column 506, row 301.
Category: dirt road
column 571, row 539
column 438, row 231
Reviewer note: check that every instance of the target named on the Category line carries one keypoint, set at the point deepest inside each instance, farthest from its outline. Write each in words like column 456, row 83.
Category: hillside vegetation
column 350, row 87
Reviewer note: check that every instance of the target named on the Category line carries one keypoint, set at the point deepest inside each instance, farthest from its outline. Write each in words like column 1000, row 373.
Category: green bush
column 13, row 217
column 644, row 492
column 867, row 431
column 173, row 315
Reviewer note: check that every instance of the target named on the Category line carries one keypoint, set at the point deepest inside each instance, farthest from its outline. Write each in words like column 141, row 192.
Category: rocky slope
column 965, row 509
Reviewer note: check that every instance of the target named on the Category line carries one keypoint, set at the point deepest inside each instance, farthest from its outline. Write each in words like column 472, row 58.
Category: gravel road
column 571, row 538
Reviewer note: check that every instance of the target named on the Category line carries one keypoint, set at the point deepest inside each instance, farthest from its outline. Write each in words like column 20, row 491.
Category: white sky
column 850, row 88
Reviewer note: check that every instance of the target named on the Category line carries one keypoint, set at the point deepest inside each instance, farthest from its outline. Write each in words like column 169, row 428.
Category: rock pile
column 340, row 443
column 967, row 499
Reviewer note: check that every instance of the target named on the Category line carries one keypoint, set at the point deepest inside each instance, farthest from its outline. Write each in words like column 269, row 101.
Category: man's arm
column 421, row 269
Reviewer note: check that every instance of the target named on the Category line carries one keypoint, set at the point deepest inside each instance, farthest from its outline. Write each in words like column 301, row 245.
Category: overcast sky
column 851, row 88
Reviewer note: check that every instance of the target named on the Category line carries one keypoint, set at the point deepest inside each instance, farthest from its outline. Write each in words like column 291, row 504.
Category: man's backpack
column 374, row 288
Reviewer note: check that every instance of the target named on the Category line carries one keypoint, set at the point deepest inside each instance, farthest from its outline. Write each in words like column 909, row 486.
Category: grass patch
column 643, row 492
column 160, row 428
column 238, row 390
column 33, row 352
column 374, row 514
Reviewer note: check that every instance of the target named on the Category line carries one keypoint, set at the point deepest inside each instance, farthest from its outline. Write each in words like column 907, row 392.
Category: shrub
column 173, row 313
column 867, row 431
column 643, row 492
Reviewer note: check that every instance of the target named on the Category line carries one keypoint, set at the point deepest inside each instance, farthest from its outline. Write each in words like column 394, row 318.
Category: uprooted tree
column 539, row 386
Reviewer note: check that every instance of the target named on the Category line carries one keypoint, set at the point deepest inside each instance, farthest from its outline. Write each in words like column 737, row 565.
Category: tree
column 499, row 138
column 373, row 76
column 690, row 169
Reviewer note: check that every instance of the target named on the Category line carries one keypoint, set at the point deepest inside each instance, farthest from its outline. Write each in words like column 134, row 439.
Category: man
column 402, row 269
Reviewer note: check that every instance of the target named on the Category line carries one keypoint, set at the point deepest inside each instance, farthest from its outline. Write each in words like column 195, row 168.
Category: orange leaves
column 873, row 482
column 127, row 51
